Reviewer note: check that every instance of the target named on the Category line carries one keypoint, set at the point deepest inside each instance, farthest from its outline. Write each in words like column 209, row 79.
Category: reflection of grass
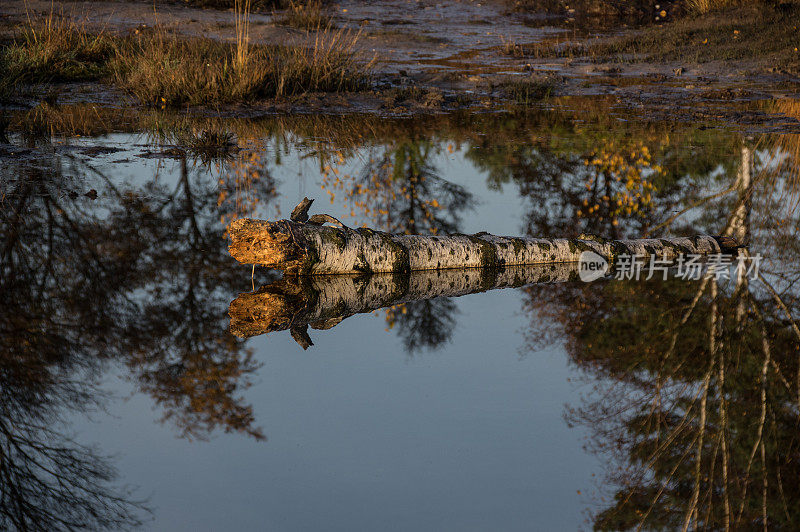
column 85, row 120
column 212, row 144
column 206, row 139
column 160, row 69
column 348, row 132
column 785, row 163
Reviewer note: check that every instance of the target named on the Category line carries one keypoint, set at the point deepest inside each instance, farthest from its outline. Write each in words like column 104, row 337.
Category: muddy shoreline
column 438, row 58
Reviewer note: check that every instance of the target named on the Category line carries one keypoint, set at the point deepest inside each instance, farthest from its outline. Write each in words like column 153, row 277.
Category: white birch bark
column 306, row 249
column 739, row 224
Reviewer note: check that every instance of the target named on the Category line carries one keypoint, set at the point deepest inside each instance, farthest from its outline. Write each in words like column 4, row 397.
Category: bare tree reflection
column 49, row 365
column 121, row 274
column 424, row 325
column 181, row 351
column 693, row 397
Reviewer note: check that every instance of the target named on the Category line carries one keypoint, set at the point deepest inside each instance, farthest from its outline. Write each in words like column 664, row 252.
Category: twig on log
column 300, row 213
column 319, row 219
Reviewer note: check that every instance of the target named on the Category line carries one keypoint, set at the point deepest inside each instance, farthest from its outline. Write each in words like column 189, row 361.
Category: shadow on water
column 695, row 385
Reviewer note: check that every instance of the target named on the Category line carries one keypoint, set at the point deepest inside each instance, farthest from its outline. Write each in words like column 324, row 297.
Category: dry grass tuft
column 166, row 70
column 242, row 16
column 527, row 91
column 706, row 6
column 169, row 71
column 55, row 49
column 310, row 15
column 545, row 49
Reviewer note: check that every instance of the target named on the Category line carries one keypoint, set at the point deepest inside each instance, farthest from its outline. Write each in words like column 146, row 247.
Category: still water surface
column 555, row 406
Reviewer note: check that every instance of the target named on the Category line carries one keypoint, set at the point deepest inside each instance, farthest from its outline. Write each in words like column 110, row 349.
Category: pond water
column 127, row 398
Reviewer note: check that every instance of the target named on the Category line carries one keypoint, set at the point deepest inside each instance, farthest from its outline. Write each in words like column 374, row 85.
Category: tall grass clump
column 242, row 17
column 55, row 49
column 167, row 70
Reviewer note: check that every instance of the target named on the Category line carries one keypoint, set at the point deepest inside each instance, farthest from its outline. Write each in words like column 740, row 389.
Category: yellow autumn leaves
column 394, row 177
column 619, row 181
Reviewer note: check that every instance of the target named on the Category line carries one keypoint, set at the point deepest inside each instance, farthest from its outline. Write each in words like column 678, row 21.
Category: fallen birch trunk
column 299, row 248
column 323, row 301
